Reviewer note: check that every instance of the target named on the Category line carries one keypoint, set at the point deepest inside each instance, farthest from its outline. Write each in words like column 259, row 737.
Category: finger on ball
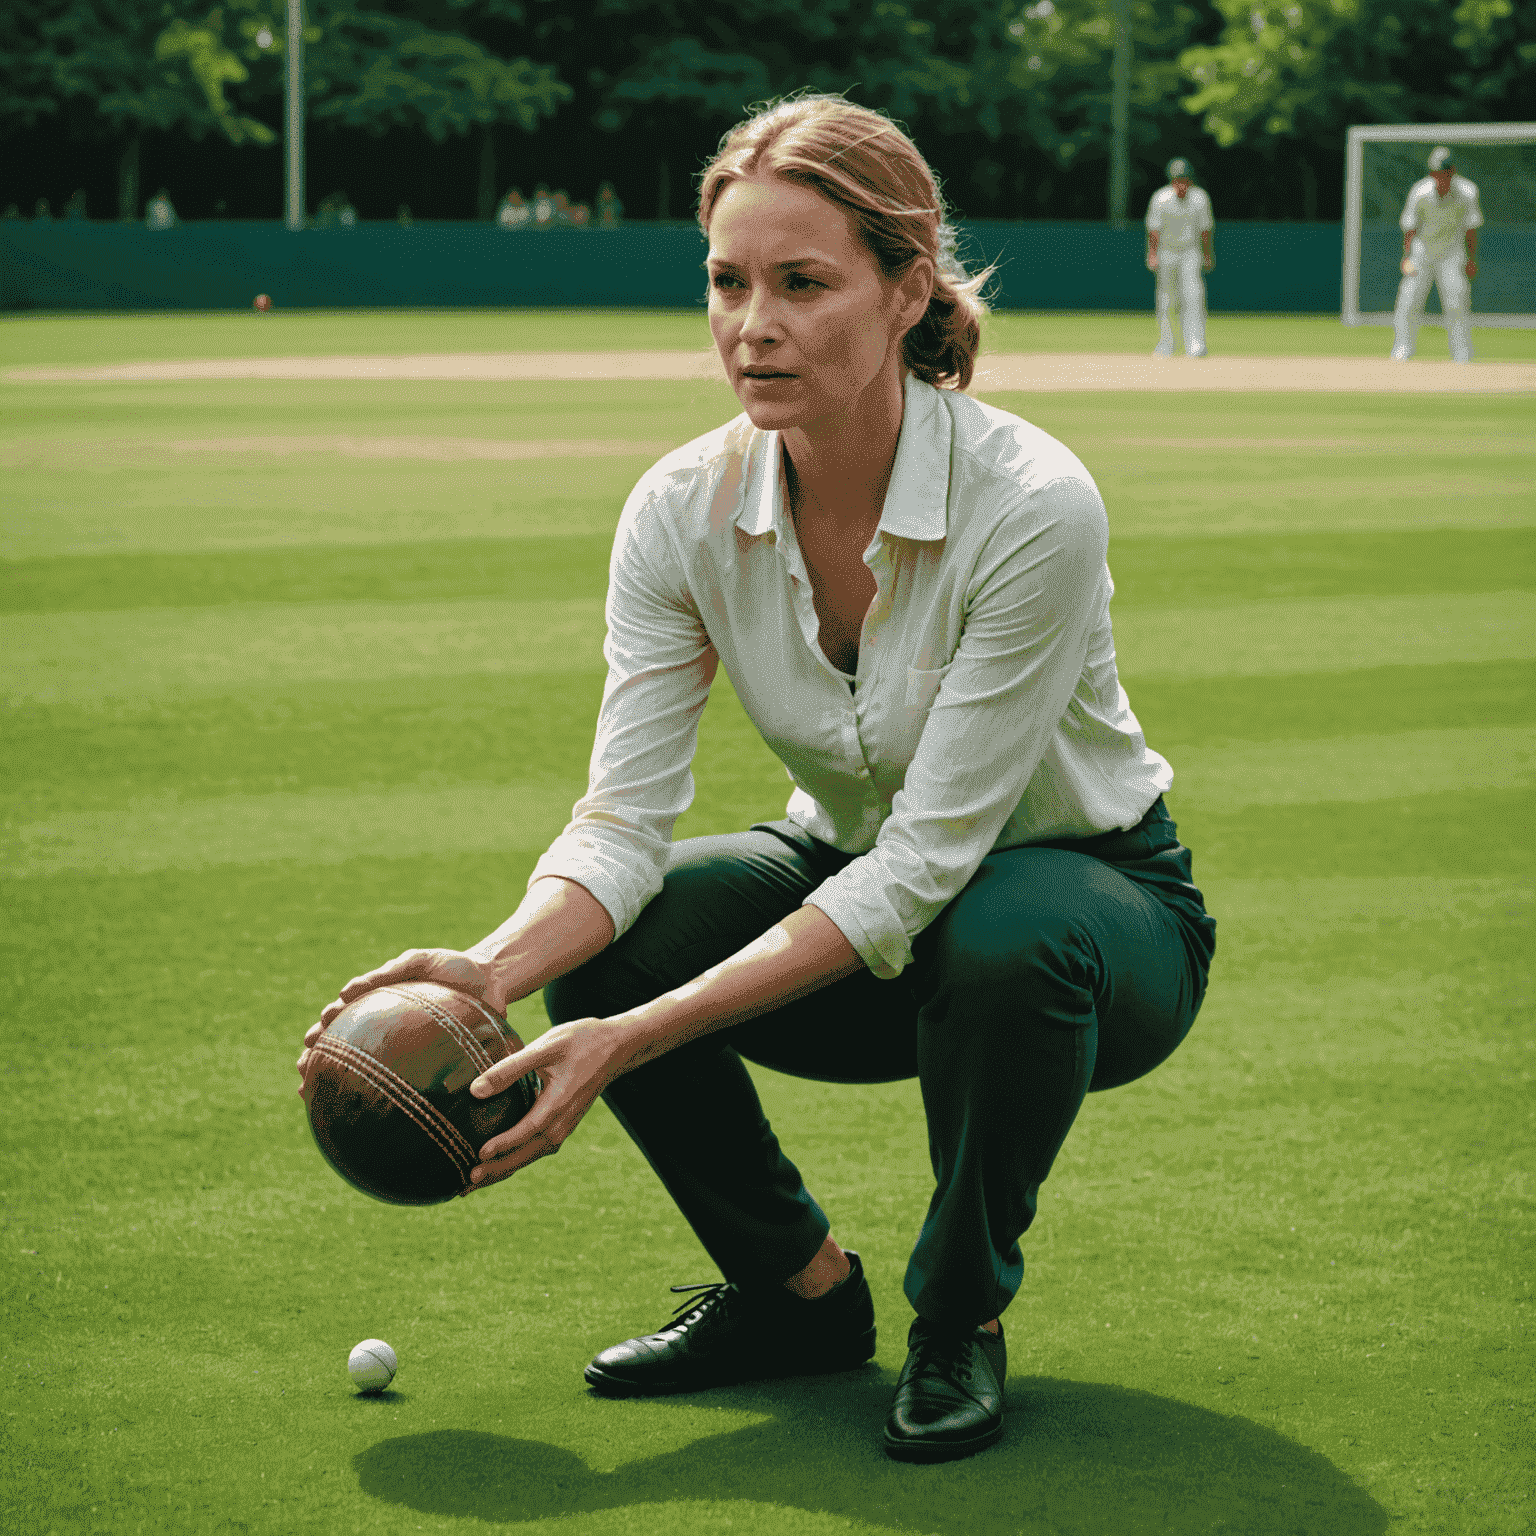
column 508, row 1144
column 495, row 1078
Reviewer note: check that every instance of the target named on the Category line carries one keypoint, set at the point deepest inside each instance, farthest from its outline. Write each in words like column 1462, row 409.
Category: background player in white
column 1440, row 224
column 1179, row 249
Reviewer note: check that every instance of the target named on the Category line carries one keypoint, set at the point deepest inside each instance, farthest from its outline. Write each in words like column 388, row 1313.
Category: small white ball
column 372, row 1365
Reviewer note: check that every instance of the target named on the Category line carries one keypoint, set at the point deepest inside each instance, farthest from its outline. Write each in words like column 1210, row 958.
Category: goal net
column 1383, row 162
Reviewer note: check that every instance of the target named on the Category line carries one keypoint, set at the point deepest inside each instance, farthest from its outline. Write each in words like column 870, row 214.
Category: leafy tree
column 1010, row 98
column 27, row 89
column 717, row 63
column 199, row 48
column 370, row 68
column 1063, row 74
column 118, row 67
column 677, row 72
column 1306, row 69
column 374, row 70
column 95, row 63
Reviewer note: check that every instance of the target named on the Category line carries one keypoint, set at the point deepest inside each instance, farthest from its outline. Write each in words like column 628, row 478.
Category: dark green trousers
column 1058, row 970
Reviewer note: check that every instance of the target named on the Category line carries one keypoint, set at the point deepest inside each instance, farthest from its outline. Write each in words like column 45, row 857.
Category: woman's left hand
column 576, row 1062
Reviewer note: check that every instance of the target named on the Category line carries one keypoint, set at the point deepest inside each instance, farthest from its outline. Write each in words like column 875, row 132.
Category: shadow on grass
column 1077, row 1457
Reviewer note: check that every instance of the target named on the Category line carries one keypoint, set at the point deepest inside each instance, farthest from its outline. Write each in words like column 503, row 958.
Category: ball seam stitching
column 403, row 1096
column 420, row 1111
column 455, row 1027
column 449, row 1139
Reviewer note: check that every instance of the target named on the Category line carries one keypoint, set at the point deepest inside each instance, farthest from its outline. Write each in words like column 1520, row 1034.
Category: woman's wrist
column 800, row 955
column 650, row 1031
column 506, row 971
column 557, row 926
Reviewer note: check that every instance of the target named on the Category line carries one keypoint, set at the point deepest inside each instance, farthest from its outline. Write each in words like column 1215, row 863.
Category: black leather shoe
column 728, row 1334
column 949, row 1396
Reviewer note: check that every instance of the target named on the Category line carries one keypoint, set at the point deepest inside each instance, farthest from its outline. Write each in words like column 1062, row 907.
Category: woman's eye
column 724, row 280
column 798, row 282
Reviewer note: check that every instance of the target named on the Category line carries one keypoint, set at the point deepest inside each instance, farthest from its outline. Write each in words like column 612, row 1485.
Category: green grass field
column 68, row 340
column 273, row 717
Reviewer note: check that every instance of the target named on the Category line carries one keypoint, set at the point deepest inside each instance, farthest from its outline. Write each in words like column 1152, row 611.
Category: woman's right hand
column 450, row 967
column 558, row 925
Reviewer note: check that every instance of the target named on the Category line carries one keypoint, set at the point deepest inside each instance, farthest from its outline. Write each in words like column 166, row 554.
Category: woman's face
column 804, row 320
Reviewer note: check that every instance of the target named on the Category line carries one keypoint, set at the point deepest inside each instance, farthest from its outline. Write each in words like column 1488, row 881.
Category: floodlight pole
column 294, row 117
column 1120, row 118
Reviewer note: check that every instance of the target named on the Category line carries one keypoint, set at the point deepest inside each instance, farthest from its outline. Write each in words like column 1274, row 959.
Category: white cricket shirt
column 986, row 712
column 1179, row 220
column 1441, row 221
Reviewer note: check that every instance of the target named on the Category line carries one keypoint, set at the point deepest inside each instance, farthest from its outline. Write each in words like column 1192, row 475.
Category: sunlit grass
column 269, row 723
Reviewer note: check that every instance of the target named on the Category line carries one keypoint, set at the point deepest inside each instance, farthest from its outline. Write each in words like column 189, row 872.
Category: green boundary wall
column 224, row 264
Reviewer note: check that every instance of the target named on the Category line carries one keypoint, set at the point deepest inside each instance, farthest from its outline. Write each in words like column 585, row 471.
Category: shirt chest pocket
column 923, row 685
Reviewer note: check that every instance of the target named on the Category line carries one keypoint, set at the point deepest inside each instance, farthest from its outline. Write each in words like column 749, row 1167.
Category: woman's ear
column 913, row 293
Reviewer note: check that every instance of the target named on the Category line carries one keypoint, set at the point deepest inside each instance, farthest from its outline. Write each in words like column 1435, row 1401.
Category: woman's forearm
column 804, row 953
column 557, row 926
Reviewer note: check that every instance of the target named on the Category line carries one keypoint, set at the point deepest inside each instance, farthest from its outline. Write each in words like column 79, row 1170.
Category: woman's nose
column 759, row 325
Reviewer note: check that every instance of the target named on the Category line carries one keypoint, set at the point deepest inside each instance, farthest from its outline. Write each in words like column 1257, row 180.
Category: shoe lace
column 945, row 1356
column 691, row 1310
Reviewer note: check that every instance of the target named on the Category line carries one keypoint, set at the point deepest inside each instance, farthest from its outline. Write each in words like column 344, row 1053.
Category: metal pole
column 1120, row 118
column 1354, row 167
column 294, row 92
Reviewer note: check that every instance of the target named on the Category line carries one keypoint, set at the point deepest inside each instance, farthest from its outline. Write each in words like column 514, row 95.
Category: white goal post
column 1382, row 161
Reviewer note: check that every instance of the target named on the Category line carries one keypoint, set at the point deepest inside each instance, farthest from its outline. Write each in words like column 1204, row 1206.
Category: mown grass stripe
column 1150, row 572
column 1274, row 913
column 328, row 826
column 1353, row 768
column 213, row 650
column 320, row 827
column 1460, row 831
column 106, row 513
column 1307, row 706
column 1326, row 634
column 552, row 565
column 537, row 726
column 79, row 657
column 1146, row 501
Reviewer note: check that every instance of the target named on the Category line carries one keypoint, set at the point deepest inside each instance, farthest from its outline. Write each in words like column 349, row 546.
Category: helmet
column 1440, row 159
column 1178, row 168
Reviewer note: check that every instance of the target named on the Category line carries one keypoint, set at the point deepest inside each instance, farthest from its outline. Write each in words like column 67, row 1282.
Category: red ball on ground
column 263, row 303
column 387, row 1091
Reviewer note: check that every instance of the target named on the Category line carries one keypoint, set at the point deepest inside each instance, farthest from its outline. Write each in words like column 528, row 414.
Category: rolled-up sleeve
column 661, row 664
column 1031, row 604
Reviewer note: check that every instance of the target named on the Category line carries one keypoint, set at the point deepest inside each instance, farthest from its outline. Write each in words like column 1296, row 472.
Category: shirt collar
column 917, row 500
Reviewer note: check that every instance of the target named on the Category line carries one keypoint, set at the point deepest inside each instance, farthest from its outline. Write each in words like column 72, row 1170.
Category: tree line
column 453, row 99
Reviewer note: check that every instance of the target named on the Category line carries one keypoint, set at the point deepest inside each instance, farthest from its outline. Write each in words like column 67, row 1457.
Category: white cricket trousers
column 1180, row 286
column 1450, row 272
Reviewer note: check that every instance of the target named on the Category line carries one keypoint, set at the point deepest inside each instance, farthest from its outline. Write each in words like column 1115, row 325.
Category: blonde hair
column 864, row 163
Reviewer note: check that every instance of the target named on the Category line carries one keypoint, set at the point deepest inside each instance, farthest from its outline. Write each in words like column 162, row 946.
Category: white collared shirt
column 1441, row 221
column 1179, row 220
column 986, row 712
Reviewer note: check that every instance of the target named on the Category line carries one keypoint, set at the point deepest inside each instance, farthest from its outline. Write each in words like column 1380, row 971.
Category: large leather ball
column 387, row 1091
